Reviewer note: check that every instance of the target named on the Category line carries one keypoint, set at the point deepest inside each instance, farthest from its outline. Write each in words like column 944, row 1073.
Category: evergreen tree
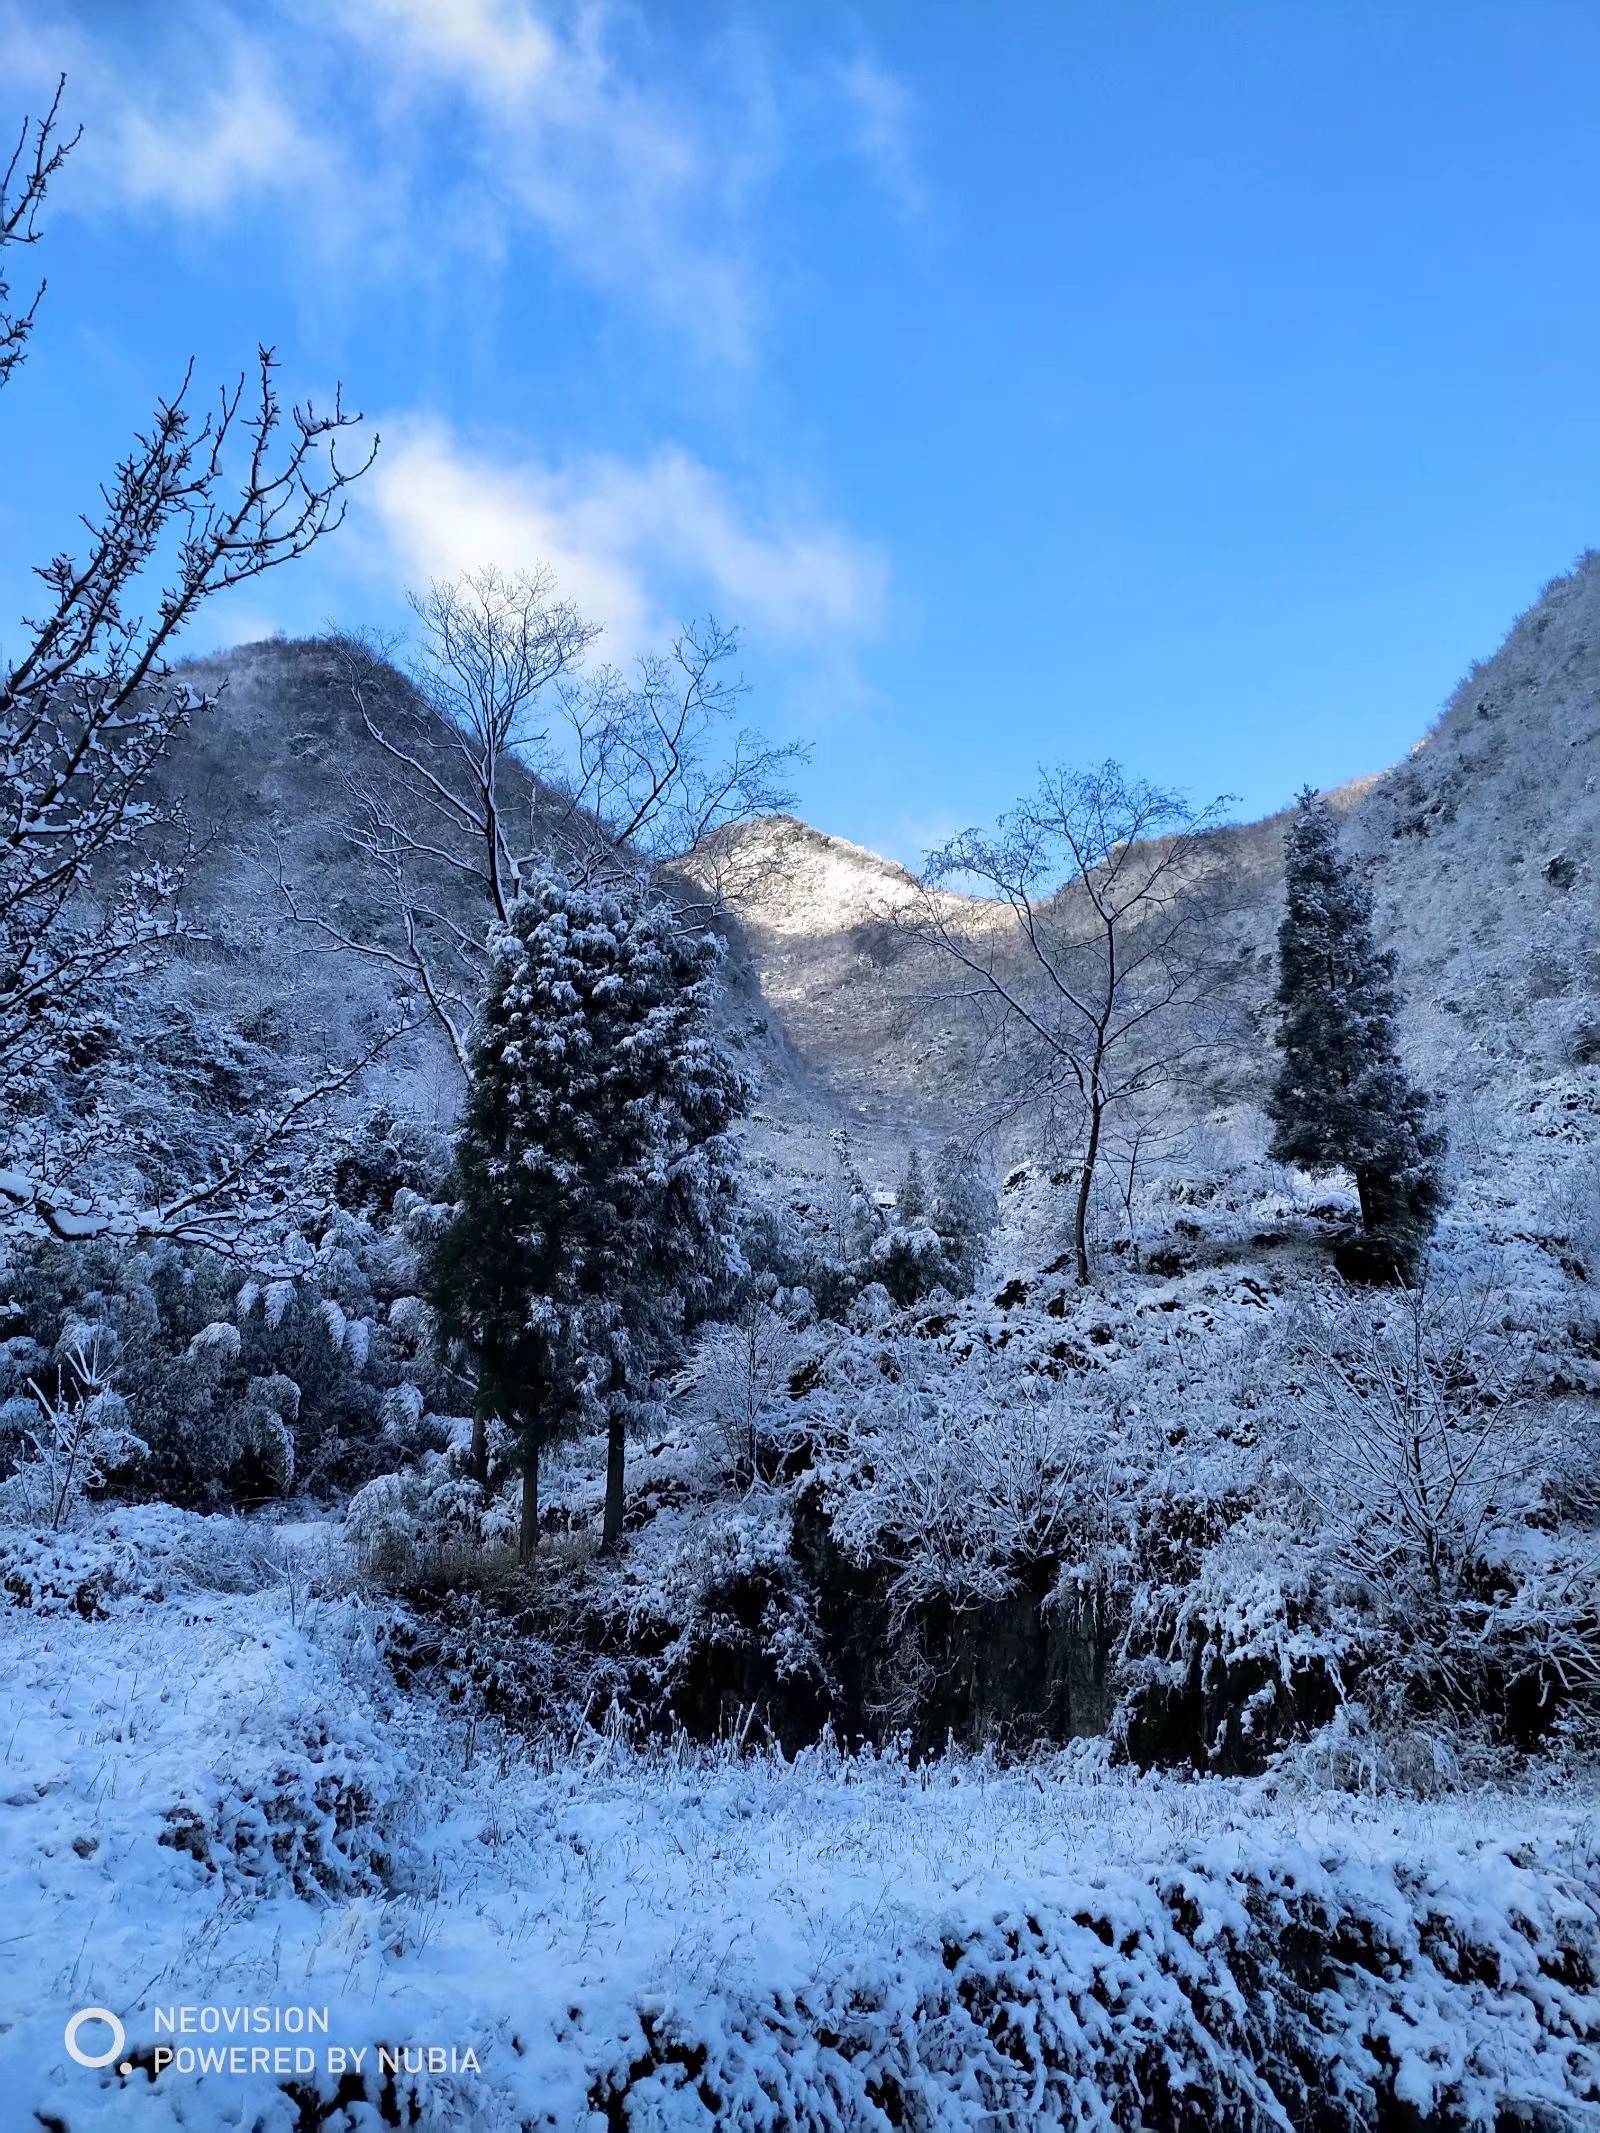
column 594, row 1181
column 937, row 1237
column 963, row 1212
column 911, row 1194
column 908, row 1258
column 852, row 1224
column 1342, row 1099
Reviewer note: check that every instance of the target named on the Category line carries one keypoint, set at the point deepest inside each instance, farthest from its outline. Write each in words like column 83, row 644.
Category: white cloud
column 882, row 111
column 403, row 127
column 234, row 140
column 636, row 545
column 499, row 49
column 576, row 140
column 168, row 137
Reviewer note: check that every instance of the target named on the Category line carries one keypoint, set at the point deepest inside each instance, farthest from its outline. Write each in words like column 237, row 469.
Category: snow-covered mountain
column 1483, row 847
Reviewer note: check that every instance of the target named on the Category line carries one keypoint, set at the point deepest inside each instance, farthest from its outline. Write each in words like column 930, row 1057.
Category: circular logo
column 119, row 2037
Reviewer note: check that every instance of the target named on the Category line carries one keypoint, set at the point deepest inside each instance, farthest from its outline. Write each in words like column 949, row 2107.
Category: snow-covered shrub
column 487, row 1662
column 931, row 1235
column 311, row 1819
column 389, row 1161
column 416, row 1525
column 300, row 1787
column 77, row 1439
column 1415, row 1563
column 130, row 1556
column 909, row 1262
column 935, row 1236
column 242, row 1390
column 1227, row 1992
column 1571, row 1212
column 1430, row 1454
column 1231, row 1655
column 1360, row 1751
column 971, row 1478
column 728, row 1622
column 970, row 1525
column 736, row 1388
column 223, row 1554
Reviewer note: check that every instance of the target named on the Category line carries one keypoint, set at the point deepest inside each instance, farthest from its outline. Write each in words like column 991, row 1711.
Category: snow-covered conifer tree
column 852, row 1226
column 937, row 1235
column 595, row 1187
column 911, row 1194
column 962, row 1212
column 1342, row 1099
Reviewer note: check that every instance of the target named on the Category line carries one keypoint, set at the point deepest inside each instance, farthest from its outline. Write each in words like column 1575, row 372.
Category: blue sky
column 1202, row 383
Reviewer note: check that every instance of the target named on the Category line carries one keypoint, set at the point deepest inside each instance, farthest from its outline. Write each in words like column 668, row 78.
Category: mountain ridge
column 1481, row 842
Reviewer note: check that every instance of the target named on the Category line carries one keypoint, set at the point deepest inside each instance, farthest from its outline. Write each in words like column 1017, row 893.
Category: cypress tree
column 594, row 1186
column 1342, row 1099
column 911, row 1194
column 963, row 1211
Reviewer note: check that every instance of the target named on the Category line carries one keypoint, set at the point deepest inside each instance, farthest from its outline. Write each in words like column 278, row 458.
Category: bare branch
column 497, row 757
column 1087, row 956
column 242, row 1211
column 23, row 186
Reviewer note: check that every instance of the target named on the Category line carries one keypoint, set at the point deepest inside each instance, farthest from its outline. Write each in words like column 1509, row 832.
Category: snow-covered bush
column 76, row 1439
column 226, row 1554
column 970, row 1480
column 1414, row 1562
column 242, row 1390
column 736, row 1387
column 1230, row 1991
column 312, row 1818
column 1431, row 1456
column 1230, row 1656
column 424, row 1524
column 728, row 1621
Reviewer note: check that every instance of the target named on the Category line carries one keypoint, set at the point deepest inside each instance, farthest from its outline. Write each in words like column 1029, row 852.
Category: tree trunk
column 528, row 1533
column 1080, row 1223
column 1368, row 1198
column 616, row 1454
column 479, row 1456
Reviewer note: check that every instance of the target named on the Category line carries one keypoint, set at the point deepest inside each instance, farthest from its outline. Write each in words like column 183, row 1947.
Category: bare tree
column 90, row 863
column 492, row 644
column 1143, row 1140
column 496, row 755
column 442, row 827
column 1089, row 958
column 737, row 1381
column 1414, row 1431
column 645, row 771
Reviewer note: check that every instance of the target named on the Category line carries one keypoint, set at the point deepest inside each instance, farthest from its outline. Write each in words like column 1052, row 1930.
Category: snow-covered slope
column 1482, row 842
column 696, row 1941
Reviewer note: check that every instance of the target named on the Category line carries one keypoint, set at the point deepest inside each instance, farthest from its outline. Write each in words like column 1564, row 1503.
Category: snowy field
column 217, row 1798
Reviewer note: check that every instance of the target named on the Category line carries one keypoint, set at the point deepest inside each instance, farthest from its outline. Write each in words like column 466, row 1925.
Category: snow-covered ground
column 214, row 1796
